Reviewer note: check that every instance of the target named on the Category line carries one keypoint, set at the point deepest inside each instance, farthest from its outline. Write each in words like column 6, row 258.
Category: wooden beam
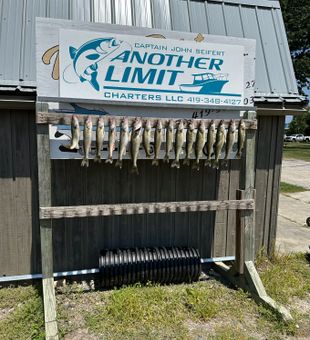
column 44, row 185
column 142, row 208
column 65, row 119
column 240, row 225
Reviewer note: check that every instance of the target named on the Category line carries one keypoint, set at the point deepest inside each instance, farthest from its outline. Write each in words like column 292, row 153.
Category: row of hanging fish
column 210, row 139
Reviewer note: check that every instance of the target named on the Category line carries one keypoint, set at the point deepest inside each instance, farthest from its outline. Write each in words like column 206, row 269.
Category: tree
column 300, row 124
column 296, row 16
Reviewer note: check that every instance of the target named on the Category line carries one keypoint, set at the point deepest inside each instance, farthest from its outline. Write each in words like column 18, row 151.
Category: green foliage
column 25, row 319
column 300, row 124
column 297, row 24
column 290, row 188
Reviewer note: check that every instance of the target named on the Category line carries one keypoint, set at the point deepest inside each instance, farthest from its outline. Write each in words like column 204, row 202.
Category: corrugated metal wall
column 260, row 20
column 77, row 241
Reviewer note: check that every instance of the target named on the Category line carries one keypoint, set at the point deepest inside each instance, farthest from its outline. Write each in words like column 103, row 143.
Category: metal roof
column 255, row 19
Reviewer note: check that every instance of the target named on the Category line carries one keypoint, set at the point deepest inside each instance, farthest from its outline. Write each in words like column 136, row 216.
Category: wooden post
column 44, row 182
column 239, row 262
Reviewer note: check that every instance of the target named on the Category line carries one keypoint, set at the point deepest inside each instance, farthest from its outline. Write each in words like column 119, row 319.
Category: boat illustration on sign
column 206, row 83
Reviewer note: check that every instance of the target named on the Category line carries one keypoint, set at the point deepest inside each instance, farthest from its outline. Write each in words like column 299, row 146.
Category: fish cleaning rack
column 242, row 273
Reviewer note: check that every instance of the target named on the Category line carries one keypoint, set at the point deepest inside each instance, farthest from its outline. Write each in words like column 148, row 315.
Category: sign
column 133, row 69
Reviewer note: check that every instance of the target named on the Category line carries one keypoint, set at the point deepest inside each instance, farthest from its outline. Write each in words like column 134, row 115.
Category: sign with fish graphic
column 130, row 69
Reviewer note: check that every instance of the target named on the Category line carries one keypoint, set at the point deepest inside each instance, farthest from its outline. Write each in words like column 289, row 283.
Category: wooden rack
column 242, row 273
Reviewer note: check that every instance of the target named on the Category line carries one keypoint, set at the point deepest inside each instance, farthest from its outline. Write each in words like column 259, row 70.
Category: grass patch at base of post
column 297, row 151
column 290, row 188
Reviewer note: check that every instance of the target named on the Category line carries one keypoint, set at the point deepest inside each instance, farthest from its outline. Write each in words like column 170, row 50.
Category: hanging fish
column 157, row 141
column 241, row 138
column 230, row 138
column 179, row 141
column 135, row 144
column 75, row 134
column 219, row 143
column 200, row 143
column 169, row 140
column 111, row 141
column 124, row 139
column 190, row 139
column 87, row 135
column 147, row 138
column 99, row 139
column 210, row 142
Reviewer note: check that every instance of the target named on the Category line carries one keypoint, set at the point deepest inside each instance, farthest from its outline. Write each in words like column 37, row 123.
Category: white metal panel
column 215, row 18
column 161, row 14
column 180, row 15
column 123, row 12
column 198, row 17
column 233, row 20
column 102, row 11
column 58, row 9
column 80, row 10
column 142, row 13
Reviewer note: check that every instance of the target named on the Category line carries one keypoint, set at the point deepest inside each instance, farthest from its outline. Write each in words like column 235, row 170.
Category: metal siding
column 161, row 14
column 271, row 52
column 259, row 20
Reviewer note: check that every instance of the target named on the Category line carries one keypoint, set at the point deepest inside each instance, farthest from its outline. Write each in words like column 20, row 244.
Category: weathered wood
column 239, row 261
column 142, row 208
column 249, row 183
column 65, row 119
column 45, row 198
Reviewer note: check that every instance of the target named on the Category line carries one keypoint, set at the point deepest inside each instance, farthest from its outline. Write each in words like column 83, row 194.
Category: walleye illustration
column 86, row 58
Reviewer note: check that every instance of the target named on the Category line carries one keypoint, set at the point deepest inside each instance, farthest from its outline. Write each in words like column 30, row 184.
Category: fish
column 124, row 139
column 230, row 138
column 75, row 134
column 179, row 141
column 147, row 138
column 99, row 139
column 135, row 144
column 87, row 135
column 219, row 143
column 86, row 58
column 241, row 138
column 210, row 142
column 199, row 144
column 190, row 139
column 111, row 141
column 169, row 140
column 157, row 141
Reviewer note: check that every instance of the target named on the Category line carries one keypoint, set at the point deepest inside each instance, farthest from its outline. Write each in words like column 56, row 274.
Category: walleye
column 230, row 138
column 112, row 137
column 87, row 134
column 135, row 144
column 147, row 138
column 99, row 139
column 157, row 141
column 179, row 141
column 219, row 142
column 190, row 139
column 210, row 141
column 124, row 139
column 241, row 138
column 169, row 140
column 200, row 143
column 75, row 134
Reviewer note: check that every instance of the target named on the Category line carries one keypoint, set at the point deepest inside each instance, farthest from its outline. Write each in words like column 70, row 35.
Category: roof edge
column 256, row 3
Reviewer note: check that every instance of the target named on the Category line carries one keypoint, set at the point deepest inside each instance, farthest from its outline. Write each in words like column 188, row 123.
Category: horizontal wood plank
column 143, row 208
column 65, row 119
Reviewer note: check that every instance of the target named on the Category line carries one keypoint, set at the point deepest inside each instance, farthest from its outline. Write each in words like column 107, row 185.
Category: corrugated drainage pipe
column 163, row 265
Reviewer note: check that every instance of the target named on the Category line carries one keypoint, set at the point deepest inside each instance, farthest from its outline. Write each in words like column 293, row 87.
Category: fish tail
column 119, row 163
column 207, row 162
column 175, row 164
column 155, row 162
column 238, row 156
column 97, row 159
column 109, row 160
column 186, row 161
column 166, row 158
column 85, row 162
column 215, row 164
column 195, row 166
column 135, row 170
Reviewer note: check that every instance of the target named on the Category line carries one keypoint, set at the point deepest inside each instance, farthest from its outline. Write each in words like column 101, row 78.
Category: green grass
column 207, row 310
column 290, row 188
column 297, row 151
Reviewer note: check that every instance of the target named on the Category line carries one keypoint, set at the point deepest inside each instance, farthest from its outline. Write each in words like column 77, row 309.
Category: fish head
column 86, row 58
column 232, row 126
column 137, row 124
column 148, row 125
column 159, row 126
column 181, row 125
column 125, row 124
column 191, row 125
column 242, row 125
column 171, row 125
column 202, row 126
column 221, row 126
column 100, row 123
column 88, row 123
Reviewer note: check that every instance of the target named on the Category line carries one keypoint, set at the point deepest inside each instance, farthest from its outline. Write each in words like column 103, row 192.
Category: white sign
column 119, row 68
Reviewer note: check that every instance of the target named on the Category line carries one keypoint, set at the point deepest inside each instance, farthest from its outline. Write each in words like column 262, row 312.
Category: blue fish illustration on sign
column 86, row 58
